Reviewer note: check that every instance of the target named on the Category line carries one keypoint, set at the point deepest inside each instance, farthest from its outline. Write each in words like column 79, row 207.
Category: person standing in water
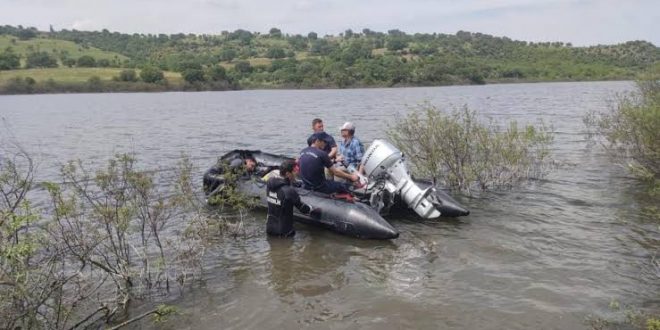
column 282, row 197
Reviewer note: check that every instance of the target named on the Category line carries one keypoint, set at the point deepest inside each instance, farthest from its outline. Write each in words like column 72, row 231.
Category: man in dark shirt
column 282, row 197
column 331, row 146
column 312, row 162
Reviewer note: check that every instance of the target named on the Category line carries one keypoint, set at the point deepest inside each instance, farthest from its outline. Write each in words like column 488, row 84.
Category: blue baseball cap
column 321, row 136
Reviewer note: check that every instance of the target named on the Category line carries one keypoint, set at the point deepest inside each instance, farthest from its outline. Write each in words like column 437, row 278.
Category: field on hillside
column 74, row 75
column 57, row 47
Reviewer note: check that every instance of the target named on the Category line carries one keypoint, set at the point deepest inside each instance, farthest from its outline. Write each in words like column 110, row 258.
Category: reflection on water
column 545, row 255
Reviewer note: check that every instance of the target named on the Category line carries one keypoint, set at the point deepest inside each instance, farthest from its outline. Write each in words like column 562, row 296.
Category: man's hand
column 357, row 183
column 333, row 152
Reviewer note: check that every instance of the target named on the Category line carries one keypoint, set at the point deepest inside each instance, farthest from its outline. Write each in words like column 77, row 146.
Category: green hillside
column 59, row 48
column 244, row 59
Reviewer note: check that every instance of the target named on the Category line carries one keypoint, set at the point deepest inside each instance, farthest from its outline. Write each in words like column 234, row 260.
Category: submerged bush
column 464, row 151
column 24, row 274
column 630, row 130
column 105, row 240
column 228, row 194
column 625, row 316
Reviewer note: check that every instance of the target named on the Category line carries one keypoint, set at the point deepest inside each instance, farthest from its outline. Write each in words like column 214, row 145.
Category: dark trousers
column 330, row 187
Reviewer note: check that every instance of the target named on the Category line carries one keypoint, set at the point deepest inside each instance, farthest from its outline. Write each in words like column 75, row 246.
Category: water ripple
column 542, row 256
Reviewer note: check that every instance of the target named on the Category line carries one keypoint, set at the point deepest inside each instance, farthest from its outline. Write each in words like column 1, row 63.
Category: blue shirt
column 312, row 163
column 329, row 143
column 352, row 152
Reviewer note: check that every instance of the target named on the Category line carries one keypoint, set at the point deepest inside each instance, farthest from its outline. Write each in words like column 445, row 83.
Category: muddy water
column 545, row 256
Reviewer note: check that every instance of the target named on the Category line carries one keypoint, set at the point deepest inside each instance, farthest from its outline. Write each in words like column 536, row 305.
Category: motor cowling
column 383, row 161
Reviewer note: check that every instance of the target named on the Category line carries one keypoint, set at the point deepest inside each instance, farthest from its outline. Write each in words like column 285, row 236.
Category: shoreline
column 41, row 88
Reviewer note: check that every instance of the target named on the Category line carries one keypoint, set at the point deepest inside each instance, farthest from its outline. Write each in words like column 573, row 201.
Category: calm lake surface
column 545, row 256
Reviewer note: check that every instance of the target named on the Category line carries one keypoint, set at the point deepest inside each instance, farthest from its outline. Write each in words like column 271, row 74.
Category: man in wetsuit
column 312, row 162
column 282, row 197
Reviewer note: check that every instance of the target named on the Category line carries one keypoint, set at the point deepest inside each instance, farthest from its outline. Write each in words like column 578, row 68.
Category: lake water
column 544, row 256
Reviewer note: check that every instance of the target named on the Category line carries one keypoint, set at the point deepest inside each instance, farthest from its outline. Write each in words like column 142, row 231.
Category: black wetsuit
column 282, row 197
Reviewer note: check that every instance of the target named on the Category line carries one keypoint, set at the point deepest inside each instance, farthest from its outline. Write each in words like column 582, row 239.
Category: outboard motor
column 385, row 163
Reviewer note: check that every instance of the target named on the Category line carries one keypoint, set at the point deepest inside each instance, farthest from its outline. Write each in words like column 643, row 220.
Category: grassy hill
column 244, row 59
column 59, row 48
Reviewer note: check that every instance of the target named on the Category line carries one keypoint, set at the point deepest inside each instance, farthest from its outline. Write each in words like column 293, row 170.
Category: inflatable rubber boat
column 389, row 186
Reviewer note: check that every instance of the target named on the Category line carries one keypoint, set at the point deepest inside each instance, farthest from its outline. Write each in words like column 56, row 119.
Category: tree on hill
column 25, row 34
column 9, row 60
column 151, row 74
column 298, row 42
column 275, row 33
column 40, row 60
column 357, row 49
column 395, row 44
column 227, row 54
column 127, row 75
column 275, row 52
column 322, row 47
column 193, row 75
column 217, row 73
column 70, row 62
column 312, row 36
column 86, row 61
column 245, row 37
column 103, row 63
column 243, row 67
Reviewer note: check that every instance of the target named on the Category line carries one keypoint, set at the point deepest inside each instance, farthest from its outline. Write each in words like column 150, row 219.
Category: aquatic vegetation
column 465, row 151
column 229, row 196
column 624, row 316
column 110, row 236
column 630, row 131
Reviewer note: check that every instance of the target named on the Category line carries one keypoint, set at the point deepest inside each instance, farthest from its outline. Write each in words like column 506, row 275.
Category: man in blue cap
column 312, row 162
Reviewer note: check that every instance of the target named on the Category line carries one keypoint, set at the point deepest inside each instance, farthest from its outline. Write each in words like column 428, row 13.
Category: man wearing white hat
column 350, row 149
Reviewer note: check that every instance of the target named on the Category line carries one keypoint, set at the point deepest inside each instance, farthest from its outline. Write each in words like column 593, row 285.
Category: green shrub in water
column 630, row 132
column 465, row 151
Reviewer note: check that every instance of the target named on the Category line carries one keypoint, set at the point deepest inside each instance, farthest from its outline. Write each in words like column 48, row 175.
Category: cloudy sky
column 582, row 22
